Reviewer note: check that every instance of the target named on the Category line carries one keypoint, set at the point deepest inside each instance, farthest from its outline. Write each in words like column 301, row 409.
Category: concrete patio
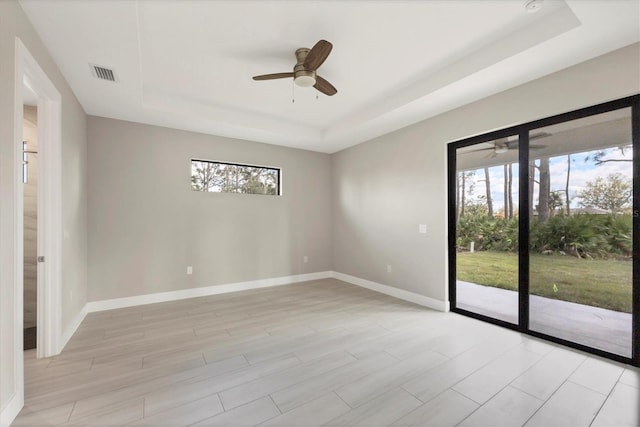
column 592, row 326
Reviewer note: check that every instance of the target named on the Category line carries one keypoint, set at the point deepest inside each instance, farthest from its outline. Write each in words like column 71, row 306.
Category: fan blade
column 317, row 55
column 478, row 150
column 273, row 76
column 513, row 145
column 324, row 86
column 539, row 135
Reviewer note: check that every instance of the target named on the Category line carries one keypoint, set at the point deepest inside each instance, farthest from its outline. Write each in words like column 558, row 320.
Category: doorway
column 542, row 221
column 33, row 87
column 30, row 221
column 29, row 77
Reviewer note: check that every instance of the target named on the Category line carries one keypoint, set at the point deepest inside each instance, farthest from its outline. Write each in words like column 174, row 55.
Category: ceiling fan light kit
column 501, row 149
column 304, row 72
column 305, row 79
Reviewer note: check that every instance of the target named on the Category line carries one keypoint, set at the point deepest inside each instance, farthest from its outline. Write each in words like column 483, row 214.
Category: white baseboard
column 394, row 292
column 111, row 304
column 66, row 336
column 11, row 410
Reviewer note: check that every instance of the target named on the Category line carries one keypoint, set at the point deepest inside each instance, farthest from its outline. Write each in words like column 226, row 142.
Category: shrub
column 487, row 234
column 583, row 235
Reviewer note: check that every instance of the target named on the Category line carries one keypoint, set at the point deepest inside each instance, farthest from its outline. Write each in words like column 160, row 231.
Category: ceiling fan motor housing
column 302, row 76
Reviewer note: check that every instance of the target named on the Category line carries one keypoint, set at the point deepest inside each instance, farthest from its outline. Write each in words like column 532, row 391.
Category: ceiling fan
column 304, row 72
column 502, row 145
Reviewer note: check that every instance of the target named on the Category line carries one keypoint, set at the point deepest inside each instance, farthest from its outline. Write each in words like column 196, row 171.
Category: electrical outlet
column 189, row 269
column 305, row 259
column 389, row 269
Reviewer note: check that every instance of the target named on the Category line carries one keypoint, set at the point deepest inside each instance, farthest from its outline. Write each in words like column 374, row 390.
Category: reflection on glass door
column 580, row 231
column 486, row 218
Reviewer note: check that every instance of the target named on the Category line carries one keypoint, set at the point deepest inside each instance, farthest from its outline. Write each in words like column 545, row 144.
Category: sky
column 581, row 172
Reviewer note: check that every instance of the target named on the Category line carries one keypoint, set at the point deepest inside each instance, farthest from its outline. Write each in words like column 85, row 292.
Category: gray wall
column 146, row 225
column 384, row 188
column 13, row 22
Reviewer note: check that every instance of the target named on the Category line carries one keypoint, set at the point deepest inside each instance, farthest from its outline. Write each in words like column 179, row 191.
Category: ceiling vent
column 103, row 73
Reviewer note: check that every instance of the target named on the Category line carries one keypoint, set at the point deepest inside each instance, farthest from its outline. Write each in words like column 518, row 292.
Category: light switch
column 422, row 228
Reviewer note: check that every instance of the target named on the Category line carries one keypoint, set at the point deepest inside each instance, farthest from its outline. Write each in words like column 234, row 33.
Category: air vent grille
column 103, row 73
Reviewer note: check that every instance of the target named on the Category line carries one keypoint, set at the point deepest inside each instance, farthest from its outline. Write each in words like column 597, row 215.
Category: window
column 220, row 177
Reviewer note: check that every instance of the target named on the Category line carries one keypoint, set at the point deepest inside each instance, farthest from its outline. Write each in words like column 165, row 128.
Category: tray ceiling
column 188, row 64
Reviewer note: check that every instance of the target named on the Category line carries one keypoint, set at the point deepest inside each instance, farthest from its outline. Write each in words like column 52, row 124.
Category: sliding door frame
column 523, row 131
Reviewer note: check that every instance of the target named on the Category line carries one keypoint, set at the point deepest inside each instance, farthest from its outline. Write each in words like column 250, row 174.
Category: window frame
column 273, row 168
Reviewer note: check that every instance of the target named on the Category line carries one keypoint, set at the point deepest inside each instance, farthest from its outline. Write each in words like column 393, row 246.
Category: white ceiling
column 188, row 64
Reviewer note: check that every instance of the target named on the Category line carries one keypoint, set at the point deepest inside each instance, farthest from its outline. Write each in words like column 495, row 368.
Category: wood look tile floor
column 317, row 353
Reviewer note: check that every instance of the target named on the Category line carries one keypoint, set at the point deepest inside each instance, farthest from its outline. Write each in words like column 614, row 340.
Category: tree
column 544, row 190
column 566, row 187
column 506, row 193
column 204, row 175
column 612, row 193
column 510, row 191
column 226, row 178
column 467, row 185
column 532, row 180
column 487, row 184
column 555, row 201
column 599, row 156
column 457, row 197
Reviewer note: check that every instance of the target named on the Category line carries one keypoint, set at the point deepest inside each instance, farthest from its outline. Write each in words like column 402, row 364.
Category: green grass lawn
column 596, row 282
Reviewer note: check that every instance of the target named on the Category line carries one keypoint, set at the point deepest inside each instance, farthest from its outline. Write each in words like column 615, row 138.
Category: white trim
column 111, row 304
column 11, row 410
column 394, row 292
column 17, row 400
column 73, row 327
column 49, row 227
column 28, row 72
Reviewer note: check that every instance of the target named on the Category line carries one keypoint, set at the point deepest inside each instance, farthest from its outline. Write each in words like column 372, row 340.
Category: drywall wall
column 14, row 23
column 384, row 188
column 146, row 225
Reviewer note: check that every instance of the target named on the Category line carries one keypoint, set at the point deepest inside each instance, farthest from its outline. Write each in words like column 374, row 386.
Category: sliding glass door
column 541, row 228
column 580, row 231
